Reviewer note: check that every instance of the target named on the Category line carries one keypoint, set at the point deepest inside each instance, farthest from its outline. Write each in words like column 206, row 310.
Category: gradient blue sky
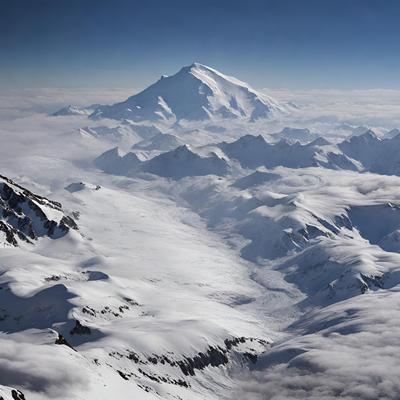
column 270, row 43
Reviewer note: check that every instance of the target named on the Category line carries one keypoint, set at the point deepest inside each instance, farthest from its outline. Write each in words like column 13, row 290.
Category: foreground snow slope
column 134, row 314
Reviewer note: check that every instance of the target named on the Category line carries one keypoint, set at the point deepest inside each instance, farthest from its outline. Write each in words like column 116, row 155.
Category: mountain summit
column 196, row 92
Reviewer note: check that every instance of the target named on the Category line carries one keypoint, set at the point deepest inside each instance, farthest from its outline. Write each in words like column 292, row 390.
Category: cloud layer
column 348, row 351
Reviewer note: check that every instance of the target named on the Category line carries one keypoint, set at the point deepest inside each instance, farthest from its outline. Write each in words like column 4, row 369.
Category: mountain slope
column 183, row 161
column 377, row 155
column 26, row 216
column 254, row 151
column 113, row 162
column 196, row 92
column 161, row 142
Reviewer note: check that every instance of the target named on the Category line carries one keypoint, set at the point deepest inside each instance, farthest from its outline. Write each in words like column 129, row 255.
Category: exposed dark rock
column 213, row 356
column 252, row 357
column 53, row 278
column 10, row 233
column 123, row 308
column 123, row 375
column 106, row 310
column 134, row 357
column 229, row 343
column 61, row 340
column 148, row 389
column 89, row 310
column 67, row 222
column 131, row 301
column 165, row 379
column 17, row 395
column 371, row 282
column 80, row 329
column 22, row 214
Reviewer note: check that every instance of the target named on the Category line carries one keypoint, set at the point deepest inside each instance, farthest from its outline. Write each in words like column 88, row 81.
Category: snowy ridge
column 250, row 151
column 113, row 162
column 176, row 164
column 376, row 155
column 183, row 161
column 253, row 152
column 27, row 216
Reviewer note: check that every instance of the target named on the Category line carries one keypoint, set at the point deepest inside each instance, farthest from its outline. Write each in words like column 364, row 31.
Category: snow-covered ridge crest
column 196, row 92
column 185, row 161
column 178, row 163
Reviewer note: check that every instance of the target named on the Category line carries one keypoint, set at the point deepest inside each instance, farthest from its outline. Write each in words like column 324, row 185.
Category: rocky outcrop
column 80, row 329
column 27, row 216
column 17, row 395
column 62, row 341
column 243, row 349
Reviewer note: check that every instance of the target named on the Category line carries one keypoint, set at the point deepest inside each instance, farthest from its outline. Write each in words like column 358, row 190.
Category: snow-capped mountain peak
column 196, row 92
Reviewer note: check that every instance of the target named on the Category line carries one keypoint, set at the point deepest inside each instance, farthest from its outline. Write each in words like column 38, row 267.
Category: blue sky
column 270, row 43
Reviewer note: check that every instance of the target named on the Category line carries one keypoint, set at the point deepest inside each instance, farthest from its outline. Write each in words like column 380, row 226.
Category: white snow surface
column 196, row 92
column 212, row 259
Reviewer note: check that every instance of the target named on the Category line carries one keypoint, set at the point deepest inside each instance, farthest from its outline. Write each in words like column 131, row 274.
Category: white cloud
column 373, row 107
column 31, row 360
column 16, row 103
column 348, row 351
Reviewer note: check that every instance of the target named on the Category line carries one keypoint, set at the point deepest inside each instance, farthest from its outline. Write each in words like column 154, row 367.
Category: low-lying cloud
column 371, row 107
column 348, row 351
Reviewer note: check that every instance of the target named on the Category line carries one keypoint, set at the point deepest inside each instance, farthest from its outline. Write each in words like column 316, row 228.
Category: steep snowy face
column 196, row 92
column 362, row 147
column 254, row 151
column 183, row 162
column 176, row 164
column 376, row 155
column 113, row 162
column 26, row 216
